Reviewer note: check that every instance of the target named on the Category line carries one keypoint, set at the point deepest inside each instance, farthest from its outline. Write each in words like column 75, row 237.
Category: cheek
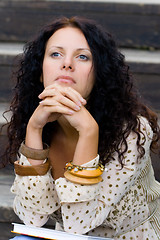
column 88, row 73
column 46, row 67
column 88, row 86
column 91, row 78
column 49, row 73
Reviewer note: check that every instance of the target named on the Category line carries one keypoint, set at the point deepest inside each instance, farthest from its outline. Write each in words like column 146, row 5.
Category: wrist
column 34, row 140
column 87, row 145
column 35, row 127
column 90, row 131
column 33, row 130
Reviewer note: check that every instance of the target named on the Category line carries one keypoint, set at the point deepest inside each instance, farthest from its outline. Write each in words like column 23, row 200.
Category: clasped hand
column 57, row 101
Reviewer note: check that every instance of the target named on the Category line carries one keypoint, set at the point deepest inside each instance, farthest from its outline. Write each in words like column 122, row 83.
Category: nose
column 67, row 67
column 68, row 64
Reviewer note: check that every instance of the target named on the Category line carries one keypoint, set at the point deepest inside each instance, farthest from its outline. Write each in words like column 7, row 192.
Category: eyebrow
column 84, row 49
column 78, row 49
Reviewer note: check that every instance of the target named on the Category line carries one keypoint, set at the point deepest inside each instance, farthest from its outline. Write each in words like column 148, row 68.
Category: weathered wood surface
column 134, row 25
column 5, row 83
column 149, row 88
column 6, row 71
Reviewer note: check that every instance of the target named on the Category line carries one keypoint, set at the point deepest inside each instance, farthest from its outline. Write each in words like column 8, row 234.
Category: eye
column 83, row 57
column 55, row 54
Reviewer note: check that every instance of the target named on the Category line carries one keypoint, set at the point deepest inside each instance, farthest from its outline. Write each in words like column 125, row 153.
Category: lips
column 65, row 79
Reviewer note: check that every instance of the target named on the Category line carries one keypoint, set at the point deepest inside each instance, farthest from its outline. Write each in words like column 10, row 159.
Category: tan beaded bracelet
column 36, row 154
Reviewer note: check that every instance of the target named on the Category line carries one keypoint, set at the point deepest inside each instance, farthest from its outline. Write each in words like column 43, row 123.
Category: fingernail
column 79, row 103
column 77, row 108
column 83, row 101
column 71, row 112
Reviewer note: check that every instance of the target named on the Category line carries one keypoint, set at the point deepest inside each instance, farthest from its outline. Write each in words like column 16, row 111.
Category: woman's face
column 68, row 61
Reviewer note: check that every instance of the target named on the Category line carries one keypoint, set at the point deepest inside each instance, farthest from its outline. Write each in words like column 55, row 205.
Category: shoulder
column 145, row 127
column 143, row 134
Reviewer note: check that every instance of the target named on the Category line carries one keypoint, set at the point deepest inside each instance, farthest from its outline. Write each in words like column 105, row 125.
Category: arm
column 36, row 197
column 88, row 130
column 56, row 101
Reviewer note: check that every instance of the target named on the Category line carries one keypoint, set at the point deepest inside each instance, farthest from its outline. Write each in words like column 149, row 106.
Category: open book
column 50, row 233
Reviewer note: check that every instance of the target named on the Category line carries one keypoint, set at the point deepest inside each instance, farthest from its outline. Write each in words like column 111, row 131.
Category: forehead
column 68, row 36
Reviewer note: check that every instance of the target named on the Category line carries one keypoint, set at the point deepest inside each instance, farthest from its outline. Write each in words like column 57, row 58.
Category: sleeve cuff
column 92, row 163
column 69, row 192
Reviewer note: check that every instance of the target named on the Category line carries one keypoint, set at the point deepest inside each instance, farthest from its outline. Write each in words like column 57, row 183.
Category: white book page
column 51, row 234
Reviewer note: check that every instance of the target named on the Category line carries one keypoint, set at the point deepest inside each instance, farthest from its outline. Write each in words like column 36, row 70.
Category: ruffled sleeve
column 36, row 197
column 88, row 206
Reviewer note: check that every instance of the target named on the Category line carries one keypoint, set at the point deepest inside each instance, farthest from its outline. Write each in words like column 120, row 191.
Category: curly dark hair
column 114, row 102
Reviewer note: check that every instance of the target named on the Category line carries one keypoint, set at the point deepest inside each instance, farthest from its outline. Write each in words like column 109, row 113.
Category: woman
column 74, row 94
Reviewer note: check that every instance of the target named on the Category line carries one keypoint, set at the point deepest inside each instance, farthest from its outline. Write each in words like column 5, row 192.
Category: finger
column 60, row 100
column 58, row 109
column 66, row 97
column 47, row 93
column 69, row 92
column 73, row 95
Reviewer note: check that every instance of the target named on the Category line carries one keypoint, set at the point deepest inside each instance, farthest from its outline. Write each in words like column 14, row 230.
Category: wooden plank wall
column 133, row 25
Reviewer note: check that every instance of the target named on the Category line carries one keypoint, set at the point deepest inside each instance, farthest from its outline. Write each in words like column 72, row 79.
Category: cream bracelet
column 36, row 154
column 82, row 180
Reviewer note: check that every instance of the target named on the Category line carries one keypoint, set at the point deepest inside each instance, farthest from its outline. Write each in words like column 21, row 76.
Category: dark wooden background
column 133, row 25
